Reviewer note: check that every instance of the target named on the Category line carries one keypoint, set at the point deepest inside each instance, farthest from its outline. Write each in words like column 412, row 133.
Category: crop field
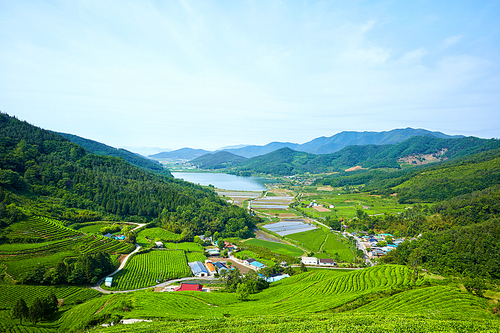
column 444, row 300
column 143, row 269
column 195, row 256
column 43, row 241
column 91, row 227
column 9, row 294
column 186, row 246
column 285, row 249
column 327, row 244
column 147, row 236
column 346, row 205
column 305, row 302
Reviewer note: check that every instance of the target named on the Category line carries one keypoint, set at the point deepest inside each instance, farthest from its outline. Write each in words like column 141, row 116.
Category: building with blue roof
column 198, row 269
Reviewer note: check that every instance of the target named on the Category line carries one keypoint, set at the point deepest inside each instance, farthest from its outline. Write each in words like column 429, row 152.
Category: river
column 225, row 181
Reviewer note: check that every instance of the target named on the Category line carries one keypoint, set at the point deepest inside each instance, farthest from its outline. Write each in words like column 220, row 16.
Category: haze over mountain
column 321, row 145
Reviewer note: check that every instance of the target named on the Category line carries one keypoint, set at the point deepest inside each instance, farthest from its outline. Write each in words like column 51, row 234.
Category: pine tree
column 36, row 311
column 20, row 310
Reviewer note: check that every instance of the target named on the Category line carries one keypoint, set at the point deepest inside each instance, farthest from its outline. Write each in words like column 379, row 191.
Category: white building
column 310, row 260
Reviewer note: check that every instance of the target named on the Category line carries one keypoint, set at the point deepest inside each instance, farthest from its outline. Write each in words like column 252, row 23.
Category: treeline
column 286, row 161
column 85, row 269
column 469, row 251
column 42, row 308
column 54, row 177
column 105, row 150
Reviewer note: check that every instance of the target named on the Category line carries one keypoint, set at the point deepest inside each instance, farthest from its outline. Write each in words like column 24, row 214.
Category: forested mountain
column 420, row 149
column 180, row 154
column 340, row 140
column 321, row 145
column 218, row 160
column 105, row 150
column 43, row 173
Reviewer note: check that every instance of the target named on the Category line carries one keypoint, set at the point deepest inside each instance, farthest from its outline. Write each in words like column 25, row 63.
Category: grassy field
column 285, row 249
column 143, row 269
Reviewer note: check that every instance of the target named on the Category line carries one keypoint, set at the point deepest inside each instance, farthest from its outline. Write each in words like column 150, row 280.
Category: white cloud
column 450, row 41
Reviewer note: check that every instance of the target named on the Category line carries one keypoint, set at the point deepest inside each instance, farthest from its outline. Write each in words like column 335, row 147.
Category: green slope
column 102, row 149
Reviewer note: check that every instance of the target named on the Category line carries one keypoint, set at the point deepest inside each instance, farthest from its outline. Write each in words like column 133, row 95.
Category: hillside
column 180, row 154
column 218, row 160
column 105, row 150
column 43, row 173
column 420, row 148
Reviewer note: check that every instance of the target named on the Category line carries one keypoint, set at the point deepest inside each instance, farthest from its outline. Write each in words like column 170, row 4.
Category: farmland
column 347, row 204
column 312, row 301
column 285, row 249
column 144, row 269
column 146, row 236
column 327, row 244
column 44, row 241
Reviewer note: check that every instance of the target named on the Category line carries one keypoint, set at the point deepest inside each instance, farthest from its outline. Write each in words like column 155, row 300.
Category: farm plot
column 144, row 269
column 238, row 197
column 311, row 240
column 289, row 226
column 146, row 236
column 285, row 249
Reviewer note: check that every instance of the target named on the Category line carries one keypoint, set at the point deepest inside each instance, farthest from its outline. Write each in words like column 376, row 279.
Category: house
column 378, row 252
column 327, row 262
column 108, row 282
column 213, row 252
column 159, row 244
column 109, row 235
column 331, row 206
column 310, row 260
column 198, row 269
column 257, row 264
column 248, row 261
column 220, row 267
column 274, row 277
column 189, row 287
column 210, row 267
column 119, row 237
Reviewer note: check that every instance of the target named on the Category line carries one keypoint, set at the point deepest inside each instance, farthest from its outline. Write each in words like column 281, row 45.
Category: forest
column 45, row 174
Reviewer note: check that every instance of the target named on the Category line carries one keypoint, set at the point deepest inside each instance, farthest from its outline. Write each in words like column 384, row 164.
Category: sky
column 208, row 74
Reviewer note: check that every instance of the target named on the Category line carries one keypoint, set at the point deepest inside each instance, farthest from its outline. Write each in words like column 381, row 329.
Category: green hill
column 218, row 160
column 414, row 151
column 102, row 149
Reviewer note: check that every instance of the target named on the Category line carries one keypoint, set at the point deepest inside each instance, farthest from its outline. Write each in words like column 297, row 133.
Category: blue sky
column 207, row 74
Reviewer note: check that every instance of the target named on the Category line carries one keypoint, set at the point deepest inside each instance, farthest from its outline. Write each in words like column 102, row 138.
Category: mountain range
column 321, row 145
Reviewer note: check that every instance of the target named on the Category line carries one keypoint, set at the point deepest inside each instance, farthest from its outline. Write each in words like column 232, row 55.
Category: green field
column 307, row 302
column 147, row 236
column 285, row 249
column 143, row 269
column 325, row 244
column 376, row 299
column 346, row 205
column 186, row 246
column 44, row 241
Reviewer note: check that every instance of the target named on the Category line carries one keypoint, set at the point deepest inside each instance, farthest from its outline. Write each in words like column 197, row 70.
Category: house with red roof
column 189, row 287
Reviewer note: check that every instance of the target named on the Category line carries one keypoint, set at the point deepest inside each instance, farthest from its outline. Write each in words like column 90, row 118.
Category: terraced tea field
column 144, row 269
column 44, row 241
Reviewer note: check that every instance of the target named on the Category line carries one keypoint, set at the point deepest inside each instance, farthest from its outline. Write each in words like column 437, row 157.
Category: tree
column 242, row 291
column 303, row 267
column 414, row 261
column 20, row 310
column 36, row 310
column 475, row 286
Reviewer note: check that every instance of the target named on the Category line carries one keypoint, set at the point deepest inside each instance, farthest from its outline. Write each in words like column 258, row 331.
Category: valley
column 381, row 247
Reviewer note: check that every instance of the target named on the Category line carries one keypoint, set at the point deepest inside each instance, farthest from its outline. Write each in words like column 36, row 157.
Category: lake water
column 225, row 181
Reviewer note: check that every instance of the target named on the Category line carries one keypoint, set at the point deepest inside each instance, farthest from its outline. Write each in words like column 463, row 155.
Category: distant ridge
column 181, row 154
column 321, row 145
column 328, row 145
column 218, row 160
